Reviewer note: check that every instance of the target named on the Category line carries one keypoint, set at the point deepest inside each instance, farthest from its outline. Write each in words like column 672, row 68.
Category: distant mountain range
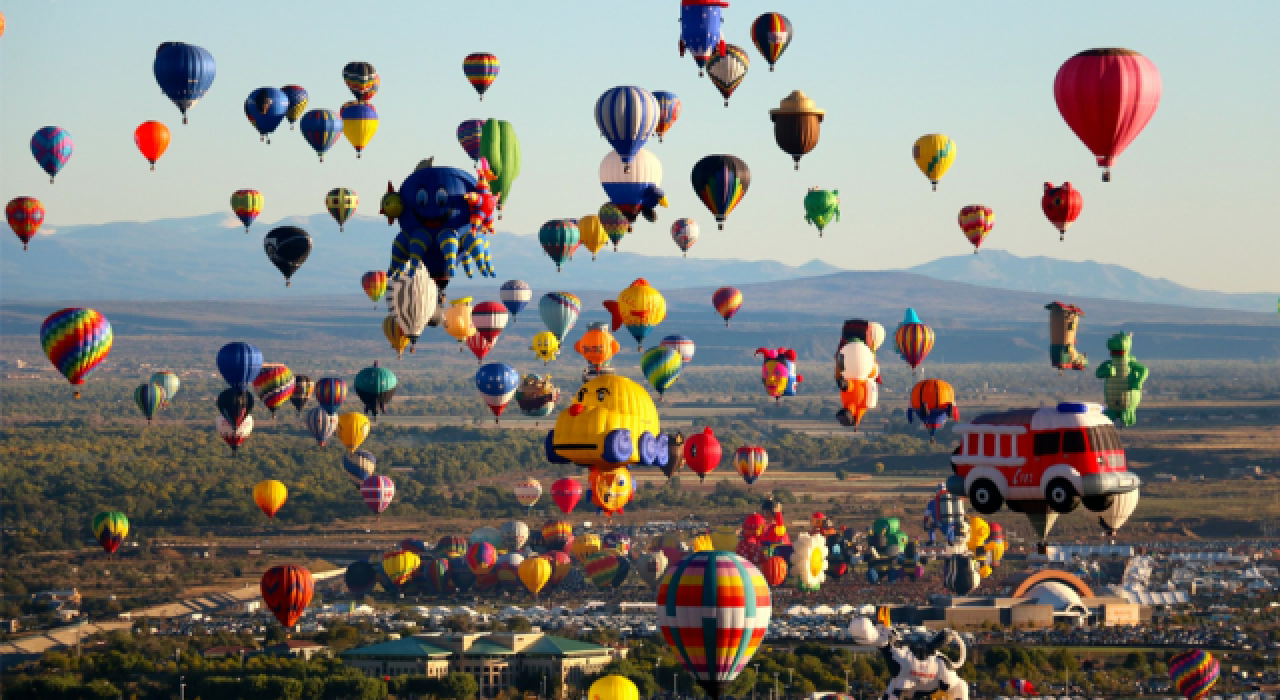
column 211, row 258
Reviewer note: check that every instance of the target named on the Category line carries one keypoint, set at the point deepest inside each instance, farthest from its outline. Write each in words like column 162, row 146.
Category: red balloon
column 287, row 592
column 753, row 525
column 479, row 346
column 1062, row 205
column 561, row 563
column 152, row 139
column 749, row 548
column 702, row 453
column 566, row 493
column 1107, row 96
column 774, row 570
column 25, row 215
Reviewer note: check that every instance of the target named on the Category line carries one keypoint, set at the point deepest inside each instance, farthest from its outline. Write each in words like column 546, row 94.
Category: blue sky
column 1193, row 199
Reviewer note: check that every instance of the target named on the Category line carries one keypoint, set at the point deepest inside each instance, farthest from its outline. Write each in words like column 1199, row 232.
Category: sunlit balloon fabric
column 669, row 107
column 1107, row 97
column 246, row 205
column 627, row 116
column 149, row 398
column 685, row 233
column 110, row 529
column 51, row 146
column 400, row 565
column 359, row 465
column 934, row 154
column 361, row 79
column 25, row 216
column 232, row 435
column 527, row 490
column 152, row 140
column 321, row 128
column 913, row 340
column 359, row 124
column 469, row 135
column 321, row 424
column 481, row 70
column 330, row 393
column 1062, row 206
column 298, row 101
column 976, row 221
column 378, row 491
column 750, row 462
column 184, row 72
column 353, row 428
column 1194, row 673
column 270, row 496
column 661, row 365
column 76, row 341
column 713, row 609
column 721, row 181
column 274, row 385
column 772, row 34
column 727, row 71
column 727, row 301
column 374, row 283
column 341, row 204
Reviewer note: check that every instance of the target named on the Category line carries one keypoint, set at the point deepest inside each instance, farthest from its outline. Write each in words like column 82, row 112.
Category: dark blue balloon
column 185, row 73
column 360, row 577
column 461, row 574
column 266, row 108
column 239, row 364
column 435, row 209
column 497, row 379
column 700, row 32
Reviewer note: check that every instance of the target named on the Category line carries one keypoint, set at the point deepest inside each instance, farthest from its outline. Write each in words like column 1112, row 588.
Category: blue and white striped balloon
column 515, row 295
column 627, row 116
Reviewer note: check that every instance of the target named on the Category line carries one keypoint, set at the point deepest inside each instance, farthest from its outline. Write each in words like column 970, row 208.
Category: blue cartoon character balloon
column 435, row 222
column 700, row 34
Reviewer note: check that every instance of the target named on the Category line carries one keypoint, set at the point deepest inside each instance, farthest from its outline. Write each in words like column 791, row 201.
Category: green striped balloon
column 661, row 366
column 150, row 398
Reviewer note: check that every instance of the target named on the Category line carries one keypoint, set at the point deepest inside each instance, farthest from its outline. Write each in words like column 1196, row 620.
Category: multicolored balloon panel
column 76, row 341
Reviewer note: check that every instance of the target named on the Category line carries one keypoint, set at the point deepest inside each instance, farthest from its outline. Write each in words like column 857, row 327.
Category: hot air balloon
column 275, row 384
column 607, row 569
column 976, row 221
column 481, row 70
column 640, row 308
column 76, row 341
column 652, row 565
column 401, row 565
column 682, row 344
column 934, row 154
column 110, row 528
column 661, row 366
column 481, row 558
column 821, row 207
column 359, row 124
column 669, row 106
column 235, row 406
column 270, row 496
column 287, row 591
column 266, row 107
column 635, row 190
column 412, row 298
column 1194, row 673
column 778, row 372
column 557, row 535
column 614, row 687
column 534, row 573
column 714, row 609
column 497, row 383
column 559, row 238
column 1061, row 206
column 774, row 570
column 614, row 222
column 184, row 72
column 566, row 493
column 169, row 382
column 728, row 69
column 598, row 345
column 913, row 340
column 592, row 234
column 490, row 318
column 721, row 181
column 586, row 545
column 52, row 146
column 750, row 462
column 932, row 402
column 232, row 435
column 321, row 424
column 457, row 320
column 321, row 128
column 559, row 311
column 375, row 386
column 514, row 535
column 626, row 117
column 298, row 99
column 377, row 492
column 360, row 578
column 362, row 79
column 1107, row 96
column 239, row 364
column 303, row 387
column 501, row 149
column 685, row 233
column 545, row 346
column 537, row 396
column 359, row 465
column 515, row 295
column 152, row 140
column 374, row 283
column 469, row 137
column 247, row 205
column 353, row 428
column 341, row 203
column 700, row 33
column 727, row 301
column 330, row 393
column 771, row 33
column 527, row 490
column 702, row 453
column 797, row 125
column 25, row 216
column 287, row 248
column 1120, row 507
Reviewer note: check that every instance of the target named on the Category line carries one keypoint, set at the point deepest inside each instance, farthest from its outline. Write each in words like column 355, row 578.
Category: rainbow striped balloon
column 607, row 569
column 721, row 181
column 330, row 393
column 76, row 341
column 481, row 558
column 913, row 340
column 1194, row 673
column 976, row 221
column 614, row 222
column 727, row 301
column 469, row 133
column 375, row 285
column 274, row 385
column 713, row 609
column 751, row 462
column 481, row 70
column 110, row 528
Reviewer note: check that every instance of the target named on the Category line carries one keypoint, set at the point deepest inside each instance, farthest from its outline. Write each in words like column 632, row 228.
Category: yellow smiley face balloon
column 611, row 422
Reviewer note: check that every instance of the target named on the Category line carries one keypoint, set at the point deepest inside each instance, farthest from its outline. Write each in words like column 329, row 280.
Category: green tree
column 458, row 686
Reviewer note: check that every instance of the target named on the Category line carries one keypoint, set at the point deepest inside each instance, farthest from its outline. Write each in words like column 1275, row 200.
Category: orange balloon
column 152, row 139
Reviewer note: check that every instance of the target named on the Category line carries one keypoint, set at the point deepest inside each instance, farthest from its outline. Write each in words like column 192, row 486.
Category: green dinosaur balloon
column 1122, row 379
column 821, row 207
column 498, row 143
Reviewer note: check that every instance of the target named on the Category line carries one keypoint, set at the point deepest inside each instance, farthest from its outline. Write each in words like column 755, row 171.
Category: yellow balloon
column 534, row 573
column 602, row 406
column 613, row 688
column 985, row 571
column 584, row 546
column 639, row 307
column 353, row 428
column 270, row 496
column 979, row 531
column 592, row 234
column 400, row 565
column 934, row 154
column 399, row 341
column 457, row 319
column 546, row 346
column 359, row 131
column 702, row 543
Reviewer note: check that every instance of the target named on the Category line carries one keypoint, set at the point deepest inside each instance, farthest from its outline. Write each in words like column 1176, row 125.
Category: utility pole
column 846, row 682
column 776, row 694
column 182, row 687
column 757, row 681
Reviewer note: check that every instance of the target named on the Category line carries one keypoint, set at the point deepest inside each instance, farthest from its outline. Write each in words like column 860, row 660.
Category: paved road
column 38, row 643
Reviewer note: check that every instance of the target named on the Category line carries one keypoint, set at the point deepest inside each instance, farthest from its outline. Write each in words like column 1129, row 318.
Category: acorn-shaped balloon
column 797, row 124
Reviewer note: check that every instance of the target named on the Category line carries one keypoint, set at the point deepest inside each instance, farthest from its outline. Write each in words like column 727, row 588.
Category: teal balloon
column 661, row 366
column 559, row 237
column 559, row 310
column 150, row 397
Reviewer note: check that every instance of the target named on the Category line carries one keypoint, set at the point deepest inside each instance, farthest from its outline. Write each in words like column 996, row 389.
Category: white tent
column 795, row 610
column 823, row 609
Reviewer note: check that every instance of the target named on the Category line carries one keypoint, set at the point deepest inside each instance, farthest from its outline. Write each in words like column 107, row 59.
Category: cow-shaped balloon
column 916, row 665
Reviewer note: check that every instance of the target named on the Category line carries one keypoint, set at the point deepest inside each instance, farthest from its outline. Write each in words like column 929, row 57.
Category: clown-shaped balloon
column 483, row 202
column 779, row 372
column 611, row 489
